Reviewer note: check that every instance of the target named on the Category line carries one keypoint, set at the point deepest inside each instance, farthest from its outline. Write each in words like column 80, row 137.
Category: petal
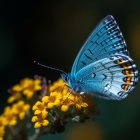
column 45, row 122
column 59, row 95
column 17, row 88
column 22, row 115
column 44, row 114
column 78, row 106
column 26, row 107
column 37, row 87
column 14, row 110
column 50, row 105
column 34, row 118
column 84, row 104
column 57, row 103
column 64, row 108
column 37, row 112
column 28, row 93
column 37, row 125
column 37, row 81
column 45, row 99
column 36, row 106
column 13, row 122
column 20, row 103
column 53, row 94
column 71, row 97
column 11, row 99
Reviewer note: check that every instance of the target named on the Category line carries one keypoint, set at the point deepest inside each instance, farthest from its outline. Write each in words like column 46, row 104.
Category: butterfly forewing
column 104, row 41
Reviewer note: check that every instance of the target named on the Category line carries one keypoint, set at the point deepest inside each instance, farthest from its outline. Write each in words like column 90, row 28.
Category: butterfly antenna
column 48, row 67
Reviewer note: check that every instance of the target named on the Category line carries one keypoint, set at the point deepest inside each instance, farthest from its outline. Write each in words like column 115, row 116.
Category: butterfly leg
column 60, row 88
column 70, row 90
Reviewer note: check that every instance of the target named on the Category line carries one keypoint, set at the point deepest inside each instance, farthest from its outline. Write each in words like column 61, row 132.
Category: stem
column 36, row 135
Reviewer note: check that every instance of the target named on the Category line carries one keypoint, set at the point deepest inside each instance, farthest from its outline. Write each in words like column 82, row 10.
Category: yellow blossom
column 16, row 95
column 40, row 119
column 57, row 86
column 53, row 100
column 2, row 132
column 79, row 103
column 38, row 107
column 65, row 108
column 10, row 117
column 41, row 122
column 67, row 101
column 2, row 121
column 17, row 88
column 20, row 108
column 30, row 86
column 60, row 96
column 72, row 99
column 2, row 127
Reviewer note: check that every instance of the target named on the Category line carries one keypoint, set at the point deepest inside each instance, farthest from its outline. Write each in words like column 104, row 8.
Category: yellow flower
column 60, row 96
column 2, row 127
column 53, row 100
column 72, row 99
column 67, row 101
column 16, row 95
column 20, row 108
column 30, row 86
column 2, row 132
column 2, row 121
column 17, row 88
column 10, row 117
column 40, row 119
column 57, row 86
column 39, row 108
column 65, row 108
column 41, row 122
column 78, row 102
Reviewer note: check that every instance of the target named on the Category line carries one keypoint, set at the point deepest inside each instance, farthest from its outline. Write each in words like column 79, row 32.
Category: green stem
column 35, row 136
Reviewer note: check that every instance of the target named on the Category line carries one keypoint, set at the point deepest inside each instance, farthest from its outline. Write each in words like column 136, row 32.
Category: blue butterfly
column 103, row 66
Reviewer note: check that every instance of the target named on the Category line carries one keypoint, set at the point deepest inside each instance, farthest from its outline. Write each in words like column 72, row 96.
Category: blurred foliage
column 53, row 32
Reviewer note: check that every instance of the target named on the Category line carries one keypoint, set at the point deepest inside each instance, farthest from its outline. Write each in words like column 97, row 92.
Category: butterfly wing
column 104, row 41
column 110, row 78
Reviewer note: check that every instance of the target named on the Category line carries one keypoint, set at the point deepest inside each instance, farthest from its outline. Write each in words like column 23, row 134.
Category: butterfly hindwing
column 111, row 78
column 104, row 41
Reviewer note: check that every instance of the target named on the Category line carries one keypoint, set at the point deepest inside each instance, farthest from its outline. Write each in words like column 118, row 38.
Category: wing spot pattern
column 90, row 51
column 83, row 63
column 105, row 77
column 93, row 75
column 128, row 80
column 88, row 56
column 130, row 72
column 125, row 87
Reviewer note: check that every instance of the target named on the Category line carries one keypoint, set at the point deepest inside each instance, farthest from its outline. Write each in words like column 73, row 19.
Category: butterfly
column 103, row 66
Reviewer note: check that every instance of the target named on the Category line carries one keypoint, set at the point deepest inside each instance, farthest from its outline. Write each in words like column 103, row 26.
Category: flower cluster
column 27, row 87
column 47, row 106
column 60, row 106
column 20, row 102
column 12, row 115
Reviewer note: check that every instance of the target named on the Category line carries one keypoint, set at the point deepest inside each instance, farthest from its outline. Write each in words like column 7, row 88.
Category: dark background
column 52, row 32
